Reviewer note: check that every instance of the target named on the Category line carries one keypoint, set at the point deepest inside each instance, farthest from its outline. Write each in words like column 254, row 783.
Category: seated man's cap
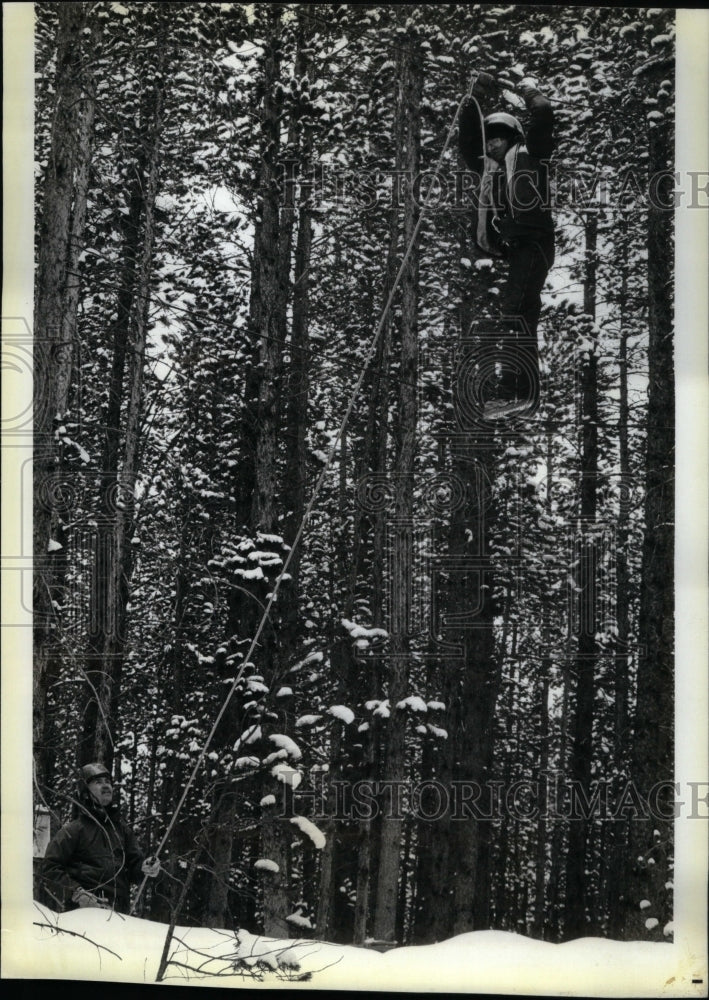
column 91, row 771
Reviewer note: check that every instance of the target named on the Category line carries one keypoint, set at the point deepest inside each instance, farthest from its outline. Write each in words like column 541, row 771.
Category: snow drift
column 101, row 945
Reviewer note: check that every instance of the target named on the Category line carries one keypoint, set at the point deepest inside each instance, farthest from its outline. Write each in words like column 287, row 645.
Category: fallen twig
column 64, row 930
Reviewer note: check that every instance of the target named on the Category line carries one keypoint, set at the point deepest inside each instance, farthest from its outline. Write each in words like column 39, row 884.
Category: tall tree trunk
column 374, row 459
column 650, row 853
column 385, row 921
column 539, row 922
column 267, row 300
column 61, row 240
column 331, row 860
column 559, row 841
column 586, row 572
column 114, row 559
column 432, row 898
column 359, row 687
column 470, row 680
column 619, row 829
column 295, row 478
column 540, row 910
column 271, row 261
column 257, row 500
column 472, row 692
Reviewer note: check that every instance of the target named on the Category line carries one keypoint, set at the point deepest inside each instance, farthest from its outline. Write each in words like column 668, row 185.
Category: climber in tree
column 513, row 222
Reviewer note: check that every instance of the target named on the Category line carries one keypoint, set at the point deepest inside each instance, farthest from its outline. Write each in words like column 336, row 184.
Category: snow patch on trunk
column 266, row 865
column 310, row 830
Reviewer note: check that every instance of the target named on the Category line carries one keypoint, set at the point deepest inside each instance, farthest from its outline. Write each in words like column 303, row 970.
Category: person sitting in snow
column 513, row 222
column 93, row 859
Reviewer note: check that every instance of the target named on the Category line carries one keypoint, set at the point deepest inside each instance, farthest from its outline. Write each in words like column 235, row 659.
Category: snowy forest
column 364, row 668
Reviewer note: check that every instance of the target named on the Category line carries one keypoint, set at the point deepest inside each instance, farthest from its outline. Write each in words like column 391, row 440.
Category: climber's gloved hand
column 526, row 84
column 507, row 81
column 485, row 85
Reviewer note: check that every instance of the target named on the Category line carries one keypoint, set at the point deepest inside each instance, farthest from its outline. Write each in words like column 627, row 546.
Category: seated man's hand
column 85, row 898
column 150, row 867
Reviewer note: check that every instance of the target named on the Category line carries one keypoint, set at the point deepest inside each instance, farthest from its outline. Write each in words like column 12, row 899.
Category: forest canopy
column 362, row 667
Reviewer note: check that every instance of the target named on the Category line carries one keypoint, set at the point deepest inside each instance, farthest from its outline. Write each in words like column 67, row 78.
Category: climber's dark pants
column 520, row 304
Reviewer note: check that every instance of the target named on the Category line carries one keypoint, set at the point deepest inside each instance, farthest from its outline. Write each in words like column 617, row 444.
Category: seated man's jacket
column 98, row 852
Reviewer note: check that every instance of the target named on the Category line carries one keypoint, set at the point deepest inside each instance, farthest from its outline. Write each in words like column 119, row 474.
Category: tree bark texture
column 113, row 562
column 585, row 559
column 650, row 853
column 402, row 529
column 61, row 238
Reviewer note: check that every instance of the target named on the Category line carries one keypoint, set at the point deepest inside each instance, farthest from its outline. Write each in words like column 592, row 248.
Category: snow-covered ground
column 94, row 944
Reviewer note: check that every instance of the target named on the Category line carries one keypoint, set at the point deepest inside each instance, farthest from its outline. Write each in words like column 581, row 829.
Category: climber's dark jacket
column 520, row 186
column 97, row 851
